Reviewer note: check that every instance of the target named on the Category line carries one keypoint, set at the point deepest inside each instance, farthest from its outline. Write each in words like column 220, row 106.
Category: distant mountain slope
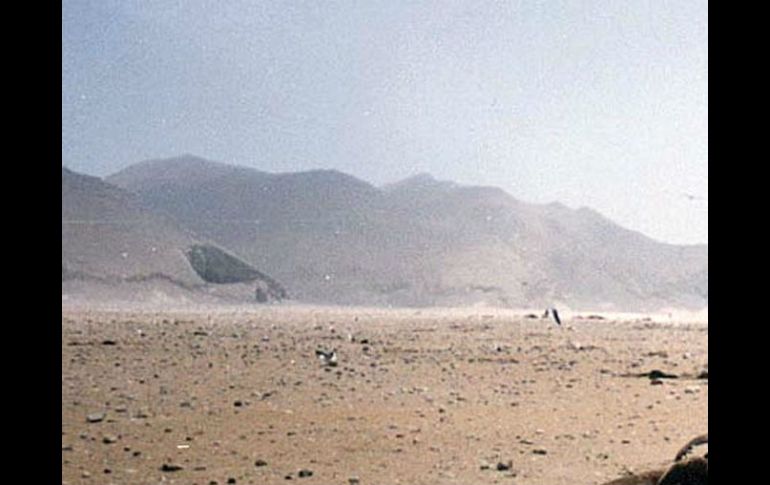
column 107, row 233
column 110, row 237
column 333, row 238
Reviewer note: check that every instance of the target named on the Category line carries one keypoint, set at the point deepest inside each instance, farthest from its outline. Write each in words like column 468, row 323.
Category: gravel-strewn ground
column 419, row 396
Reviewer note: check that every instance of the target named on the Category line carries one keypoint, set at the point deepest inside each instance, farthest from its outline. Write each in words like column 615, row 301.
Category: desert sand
column 468, row 396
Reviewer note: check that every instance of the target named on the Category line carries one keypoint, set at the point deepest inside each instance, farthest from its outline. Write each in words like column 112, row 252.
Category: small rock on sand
column 95, row 417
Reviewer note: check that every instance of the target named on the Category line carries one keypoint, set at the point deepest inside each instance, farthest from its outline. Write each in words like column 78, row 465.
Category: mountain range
column 328, row 237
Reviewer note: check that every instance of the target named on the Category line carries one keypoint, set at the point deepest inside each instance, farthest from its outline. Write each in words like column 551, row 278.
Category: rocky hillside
column 110, row 238
column 335, row 239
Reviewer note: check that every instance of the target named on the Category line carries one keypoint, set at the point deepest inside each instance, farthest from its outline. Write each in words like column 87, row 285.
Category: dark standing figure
column 555, row 315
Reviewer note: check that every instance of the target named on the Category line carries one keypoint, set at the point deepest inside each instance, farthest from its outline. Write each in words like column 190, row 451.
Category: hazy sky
column 591, row 103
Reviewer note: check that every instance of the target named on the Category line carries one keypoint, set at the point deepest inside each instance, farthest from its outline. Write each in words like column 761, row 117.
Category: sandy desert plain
column 220, row 395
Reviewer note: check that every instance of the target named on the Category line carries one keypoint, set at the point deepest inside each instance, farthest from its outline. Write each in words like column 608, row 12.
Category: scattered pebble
column 95, row 418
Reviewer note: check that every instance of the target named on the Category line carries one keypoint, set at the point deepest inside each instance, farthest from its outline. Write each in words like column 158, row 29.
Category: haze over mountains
column 113, row 246
column 328, row 237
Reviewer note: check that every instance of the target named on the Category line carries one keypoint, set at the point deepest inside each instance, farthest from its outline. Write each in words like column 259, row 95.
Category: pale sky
column 601, row 104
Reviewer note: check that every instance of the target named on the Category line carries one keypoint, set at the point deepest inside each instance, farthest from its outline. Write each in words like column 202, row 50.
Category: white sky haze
column 590, row 103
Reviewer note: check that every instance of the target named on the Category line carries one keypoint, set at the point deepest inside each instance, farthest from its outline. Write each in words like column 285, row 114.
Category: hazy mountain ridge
column 335, row 239
column 106, row 233
column 111, row 239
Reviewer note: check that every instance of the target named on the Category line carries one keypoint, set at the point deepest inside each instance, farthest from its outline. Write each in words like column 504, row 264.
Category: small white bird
column 328, row 358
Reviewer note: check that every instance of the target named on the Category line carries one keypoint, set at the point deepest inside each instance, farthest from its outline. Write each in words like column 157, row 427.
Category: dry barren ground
column 233, row 395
